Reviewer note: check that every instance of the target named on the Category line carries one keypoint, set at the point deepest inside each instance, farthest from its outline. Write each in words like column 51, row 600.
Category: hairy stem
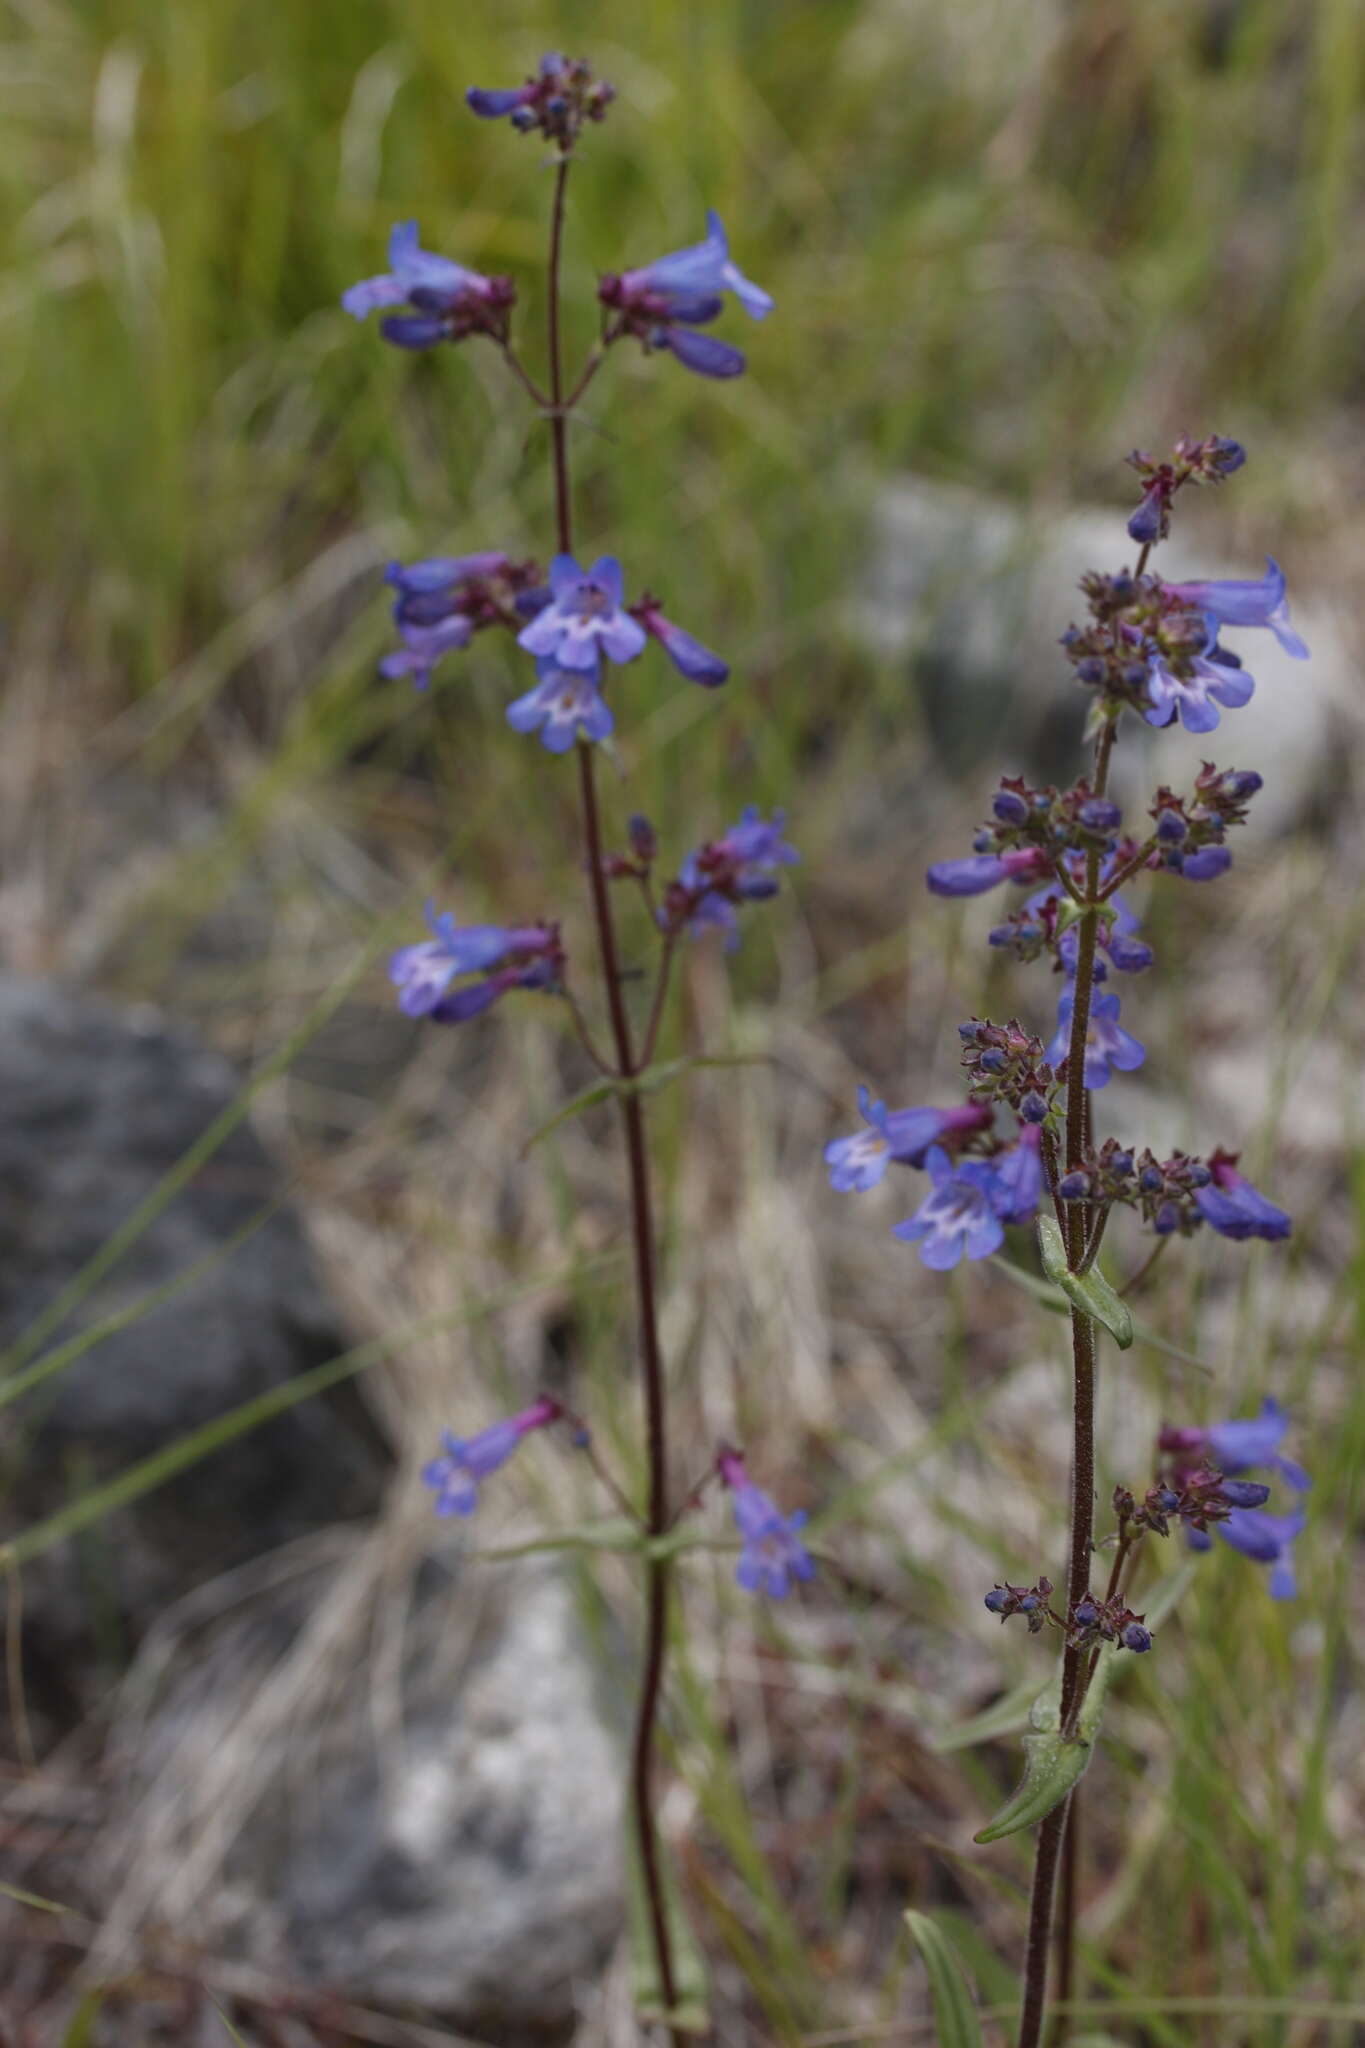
column 1076, row 1231
column 641, row 1212
column 1040, row 1925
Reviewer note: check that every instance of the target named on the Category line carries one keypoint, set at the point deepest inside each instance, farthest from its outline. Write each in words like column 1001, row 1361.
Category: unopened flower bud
column 1074, row 1187
column 1136, row 1637
column 1091, row 671
column 1009, row 807
column 1098, row 814
column 1033, row 1108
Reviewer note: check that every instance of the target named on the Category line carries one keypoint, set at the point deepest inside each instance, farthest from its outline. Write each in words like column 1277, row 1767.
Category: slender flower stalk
column 641, row 1203
column 1152, row 649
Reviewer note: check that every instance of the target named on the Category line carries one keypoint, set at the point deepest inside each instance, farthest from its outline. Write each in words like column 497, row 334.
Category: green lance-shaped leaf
column 1090, row 1292
column 657, row 1076
column 690, row 2010
column 954, row 2014
column 1052, row 1764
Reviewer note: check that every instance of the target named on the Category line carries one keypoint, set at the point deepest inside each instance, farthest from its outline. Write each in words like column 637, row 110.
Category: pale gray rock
column 96, row 1104
column 972, row 593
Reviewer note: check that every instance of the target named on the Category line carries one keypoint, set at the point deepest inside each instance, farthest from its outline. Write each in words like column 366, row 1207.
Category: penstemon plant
column 575, row 626
column 1152, row 649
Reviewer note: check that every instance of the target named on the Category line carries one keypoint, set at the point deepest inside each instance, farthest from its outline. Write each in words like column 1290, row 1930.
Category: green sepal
column 1090, row 1292
column 955, row 2019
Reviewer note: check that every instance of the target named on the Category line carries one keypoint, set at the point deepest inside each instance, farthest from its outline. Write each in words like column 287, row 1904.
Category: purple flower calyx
column 1029, row 1601
column 557, row 102
column 1092, row 1622
column 1005, row 1063
column 771, row 1554
column 718, row 876
column 454, row 1476
column 447, row 301
column 664, row 304
column 503, row 957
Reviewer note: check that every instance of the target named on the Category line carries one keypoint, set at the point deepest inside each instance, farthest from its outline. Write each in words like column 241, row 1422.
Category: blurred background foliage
column 1008, row 240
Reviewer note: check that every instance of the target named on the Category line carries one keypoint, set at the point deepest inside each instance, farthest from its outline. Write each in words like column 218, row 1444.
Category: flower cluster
column 555, row 103
column 1176, row 1194
column 575, row 625
column 1005, row 1063
column 664, row 304
column 1224, row 1451
column 772, row 1555
column 1150, row 647
column 446, row 302
column 718, row 876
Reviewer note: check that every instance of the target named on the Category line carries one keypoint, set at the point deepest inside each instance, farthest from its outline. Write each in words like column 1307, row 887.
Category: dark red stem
column 641, row 1213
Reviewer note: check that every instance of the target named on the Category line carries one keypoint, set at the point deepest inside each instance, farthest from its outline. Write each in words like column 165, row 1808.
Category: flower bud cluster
column 1092, row 1622
column 1134, row 621
column 1196, row 1498
column 1198, row 462
column 1189, row 831
column 1005, row 1064
column 1105, row 1176
column 1030, row 1601
column 556, row 103
column 1055, row 821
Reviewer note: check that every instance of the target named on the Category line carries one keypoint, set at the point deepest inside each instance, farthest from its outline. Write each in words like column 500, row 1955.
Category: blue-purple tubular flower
column 1019, row 1177
column 860, row 1162
column 690, row 282
column 423, row 647
column 1107, row 1044
column 434, row 609
column 686, row 653
column 706, row 355
column 455, row 1475
column 447, row 301
column 772, row 1554
column 564, row 704
column 740, row 867
column 1249, row 1443
column 1267, row 1539
column 1234, row 1208
column 1257, row 602
column 585, row 617
column 977, row 872
column 1195, row 698
column 1205, row 864
column 519, row 956
column 959, row 1214
column 1253, row 1444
